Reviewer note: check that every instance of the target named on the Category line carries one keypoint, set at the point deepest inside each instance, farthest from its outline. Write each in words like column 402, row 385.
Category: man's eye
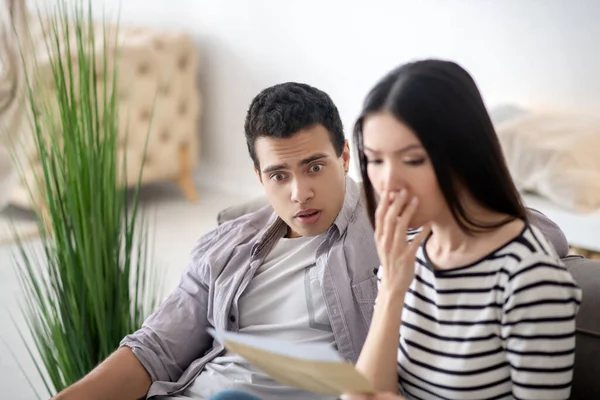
column 278, row 177
column 316, row 168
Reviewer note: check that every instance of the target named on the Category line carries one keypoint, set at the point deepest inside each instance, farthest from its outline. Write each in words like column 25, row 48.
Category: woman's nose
column 391, row 181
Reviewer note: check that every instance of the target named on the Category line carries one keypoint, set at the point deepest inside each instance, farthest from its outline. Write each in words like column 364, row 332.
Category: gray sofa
column 586, row 379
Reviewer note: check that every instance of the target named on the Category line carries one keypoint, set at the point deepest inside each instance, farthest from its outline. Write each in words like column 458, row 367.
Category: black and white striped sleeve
column 538, row 328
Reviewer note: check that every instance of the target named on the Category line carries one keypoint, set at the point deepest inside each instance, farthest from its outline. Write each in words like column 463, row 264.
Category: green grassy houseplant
column 92, row 280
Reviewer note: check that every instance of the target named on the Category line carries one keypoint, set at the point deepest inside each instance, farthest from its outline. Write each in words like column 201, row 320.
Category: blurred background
column 208, row 59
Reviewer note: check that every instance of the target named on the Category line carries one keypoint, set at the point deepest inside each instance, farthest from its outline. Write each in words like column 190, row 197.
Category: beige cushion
column 556, row 155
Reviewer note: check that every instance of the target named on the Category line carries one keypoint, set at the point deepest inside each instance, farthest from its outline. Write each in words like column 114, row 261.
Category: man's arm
column 550, row 230
column 120, row 376
column 169, row 340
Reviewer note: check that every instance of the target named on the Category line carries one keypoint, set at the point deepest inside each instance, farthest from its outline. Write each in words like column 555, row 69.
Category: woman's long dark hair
column 439, row 101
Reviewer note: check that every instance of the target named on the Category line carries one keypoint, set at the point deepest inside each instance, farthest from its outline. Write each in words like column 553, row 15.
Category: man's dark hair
column 283, row 110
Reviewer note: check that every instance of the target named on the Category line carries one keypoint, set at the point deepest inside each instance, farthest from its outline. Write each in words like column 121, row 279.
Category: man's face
column 304, row 180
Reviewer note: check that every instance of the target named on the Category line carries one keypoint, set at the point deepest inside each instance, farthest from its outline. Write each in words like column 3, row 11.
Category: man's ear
column 346, row 156
column 257, row 172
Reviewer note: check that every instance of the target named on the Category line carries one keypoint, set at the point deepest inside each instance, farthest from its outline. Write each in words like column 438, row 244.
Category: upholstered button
column 183, row 61
column 145, row 115
column 164, row 135
column 182, row 108
column 164, row 89
column 143, row 69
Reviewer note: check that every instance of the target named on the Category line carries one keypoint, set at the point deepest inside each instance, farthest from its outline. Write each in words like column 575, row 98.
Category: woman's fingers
column 391, row 219
column 399, row 240
column 380, row 212
column 417, row 241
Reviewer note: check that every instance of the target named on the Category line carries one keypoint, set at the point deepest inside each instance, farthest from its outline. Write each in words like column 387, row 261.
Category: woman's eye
column 415, row 162
column 373, row 161
column 316, row 168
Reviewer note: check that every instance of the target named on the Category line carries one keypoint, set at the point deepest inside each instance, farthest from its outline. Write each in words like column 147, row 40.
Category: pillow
column 506, row 112
column 239, row 210
column 556, row 155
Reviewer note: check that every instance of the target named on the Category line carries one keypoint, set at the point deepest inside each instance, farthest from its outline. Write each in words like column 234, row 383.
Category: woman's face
column 396, row 160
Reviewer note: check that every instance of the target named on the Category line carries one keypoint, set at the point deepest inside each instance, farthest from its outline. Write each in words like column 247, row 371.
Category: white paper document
column 314, row 367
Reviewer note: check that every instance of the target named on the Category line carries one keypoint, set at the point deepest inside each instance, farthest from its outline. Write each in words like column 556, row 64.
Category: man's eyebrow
column 402, row 150
column 307, row 160
column 312, row 158
column 276, row 167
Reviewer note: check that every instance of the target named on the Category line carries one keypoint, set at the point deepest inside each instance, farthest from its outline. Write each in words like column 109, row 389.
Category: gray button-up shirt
column 173, row 344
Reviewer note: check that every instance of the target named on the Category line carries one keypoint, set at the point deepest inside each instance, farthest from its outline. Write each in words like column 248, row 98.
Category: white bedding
column 556, row 155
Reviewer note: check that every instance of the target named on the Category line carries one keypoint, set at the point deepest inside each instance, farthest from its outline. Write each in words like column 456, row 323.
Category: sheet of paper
column 311, row 352
column 313, row 367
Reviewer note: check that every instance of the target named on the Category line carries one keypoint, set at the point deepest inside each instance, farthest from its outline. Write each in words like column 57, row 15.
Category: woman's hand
column 396, row 255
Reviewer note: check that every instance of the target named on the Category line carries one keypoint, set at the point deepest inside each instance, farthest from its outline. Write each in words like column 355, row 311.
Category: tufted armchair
column 157, row 95
column 13, row 13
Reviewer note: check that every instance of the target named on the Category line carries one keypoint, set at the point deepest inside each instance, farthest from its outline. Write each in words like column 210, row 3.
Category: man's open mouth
column 307, row 214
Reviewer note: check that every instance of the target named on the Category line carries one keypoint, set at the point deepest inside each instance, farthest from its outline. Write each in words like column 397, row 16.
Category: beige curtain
column 13, row 25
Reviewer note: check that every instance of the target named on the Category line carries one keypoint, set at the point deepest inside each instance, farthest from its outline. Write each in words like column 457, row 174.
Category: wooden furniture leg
column 184, row 180
column 586, row 253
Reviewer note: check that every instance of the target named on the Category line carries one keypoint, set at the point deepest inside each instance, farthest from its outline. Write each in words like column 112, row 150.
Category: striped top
column 500, row 328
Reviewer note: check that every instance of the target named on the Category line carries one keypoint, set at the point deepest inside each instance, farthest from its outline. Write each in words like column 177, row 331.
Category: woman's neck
column 450, row 246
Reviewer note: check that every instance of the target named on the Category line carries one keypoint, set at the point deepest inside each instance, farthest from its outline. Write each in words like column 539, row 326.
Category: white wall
column 534, row 52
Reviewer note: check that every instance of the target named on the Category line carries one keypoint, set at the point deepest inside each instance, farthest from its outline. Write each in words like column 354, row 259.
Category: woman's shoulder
column 538, row 266
column 530, row 245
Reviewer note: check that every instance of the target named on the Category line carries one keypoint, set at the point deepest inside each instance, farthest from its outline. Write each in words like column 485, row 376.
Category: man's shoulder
column 236, row 231
column 358, row 241
column 359, row 223
column 255, row 220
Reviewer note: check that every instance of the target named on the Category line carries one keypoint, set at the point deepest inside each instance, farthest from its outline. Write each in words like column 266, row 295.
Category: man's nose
column 301, row 191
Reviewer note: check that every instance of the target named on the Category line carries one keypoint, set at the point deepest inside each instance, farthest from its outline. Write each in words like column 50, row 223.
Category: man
column 299, row 270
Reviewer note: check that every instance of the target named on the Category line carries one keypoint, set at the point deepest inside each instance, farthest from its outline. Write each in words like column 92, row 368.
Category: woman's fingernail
column 403, row 193
column 414, row 201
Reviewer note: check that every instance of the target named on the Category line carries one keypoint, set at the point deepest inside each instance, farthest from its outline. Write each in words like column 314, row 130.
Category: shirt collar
column 276, row 228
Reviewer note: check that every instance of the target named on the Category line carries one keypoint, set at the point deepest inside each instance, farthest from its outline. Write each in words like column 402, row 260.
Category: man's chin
column 303, row 231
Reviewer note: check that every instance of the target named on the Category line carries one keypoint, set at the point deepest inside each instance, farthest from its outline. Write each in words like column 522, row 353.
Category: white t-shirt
column 283, row 301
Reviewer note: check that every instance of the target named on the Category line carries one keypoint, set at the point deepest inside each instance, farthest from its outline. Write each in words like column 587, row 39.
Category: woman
column 478, row 305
